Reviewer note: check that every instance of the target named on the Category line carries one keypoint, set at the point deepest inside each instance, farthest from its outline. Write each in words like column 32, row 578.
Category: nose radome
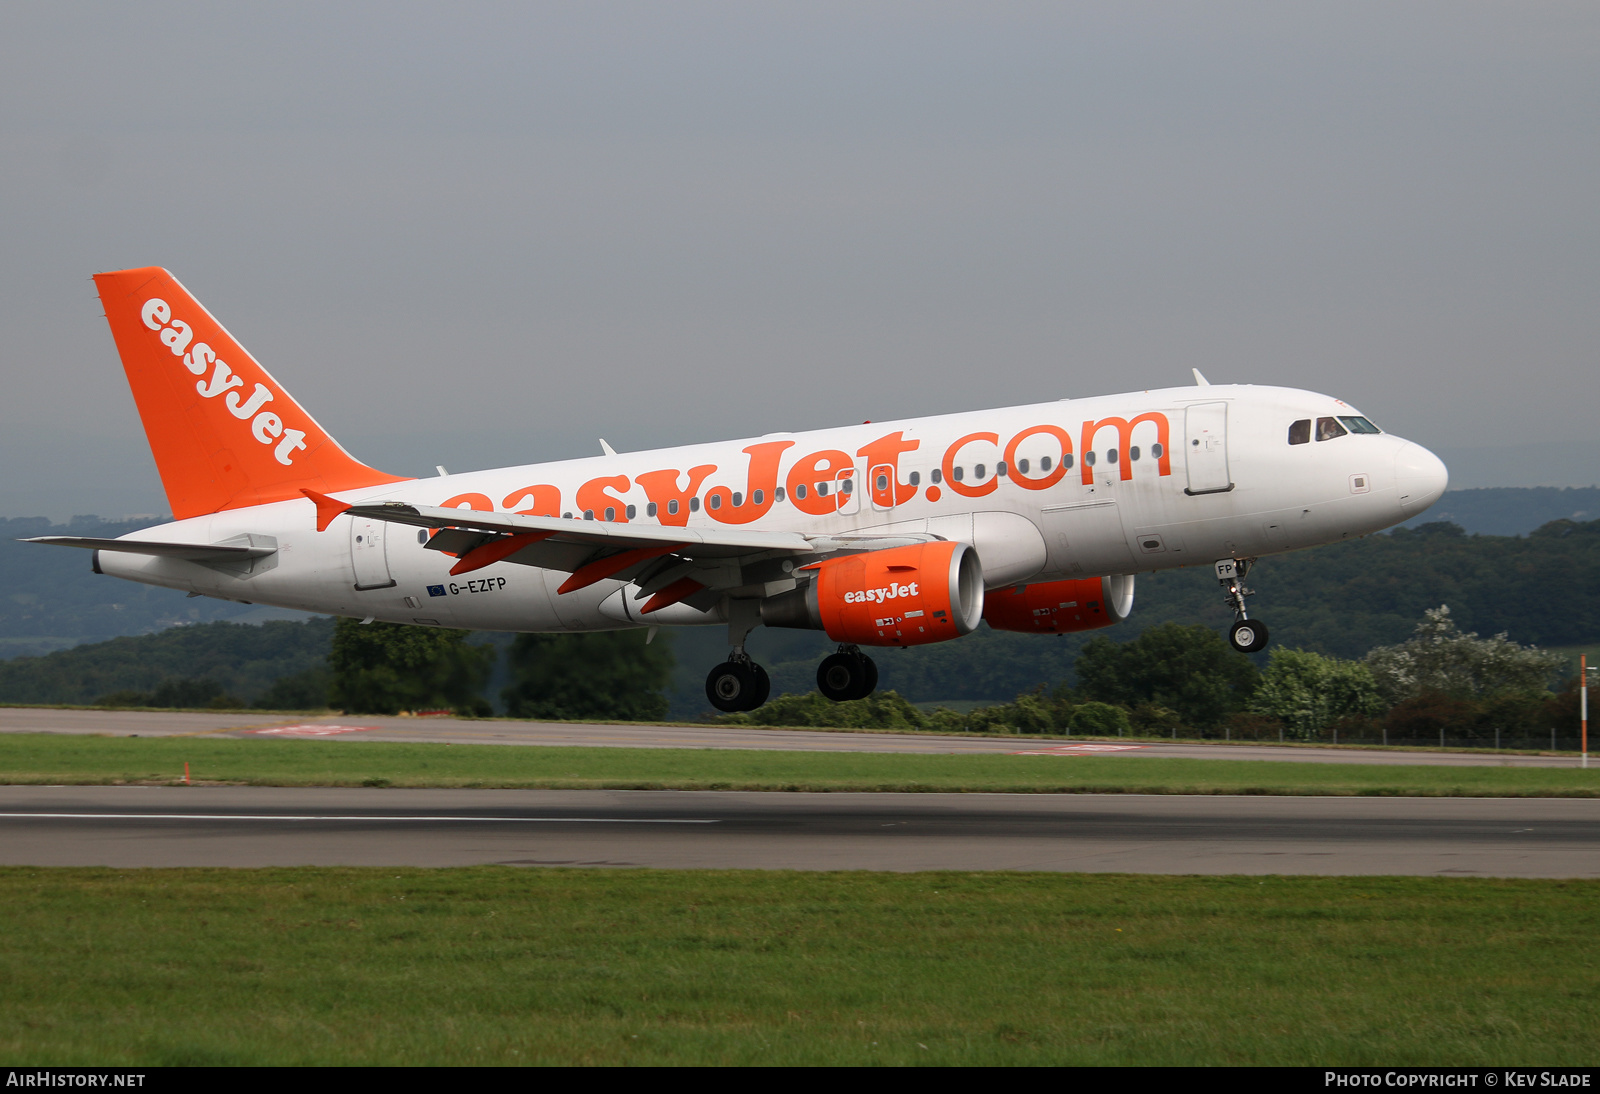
column 1420, row 476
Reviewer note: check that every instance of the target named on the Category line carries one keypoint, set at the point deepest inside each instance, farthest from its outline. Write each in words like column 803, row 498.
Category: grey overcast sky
column 480, row 234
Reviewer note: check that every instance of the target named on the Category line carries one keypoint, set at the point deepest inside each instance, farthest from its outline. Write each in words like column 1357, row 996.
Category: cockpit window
column 1300, row 432
column 1359, row 425
column 1328, row 429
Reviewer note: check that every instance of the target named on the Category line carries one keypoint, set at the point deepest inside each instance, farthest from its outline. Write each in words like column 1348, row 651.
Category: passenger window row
column 846, row 485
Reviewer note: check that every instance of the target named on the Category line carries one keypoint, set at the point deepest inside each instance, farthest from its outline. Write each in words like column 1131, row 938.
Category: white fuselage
column 1203, row 473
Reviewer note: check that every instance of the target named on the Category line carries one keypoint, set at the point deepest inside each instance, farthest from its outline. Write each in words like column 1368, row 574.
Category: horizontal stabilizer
column 194, row 552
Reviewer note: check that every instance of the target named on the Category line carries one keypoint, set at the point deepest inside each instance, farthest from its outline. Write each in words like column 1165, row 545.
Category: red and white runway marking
column 1078, row 750
column 307, row 729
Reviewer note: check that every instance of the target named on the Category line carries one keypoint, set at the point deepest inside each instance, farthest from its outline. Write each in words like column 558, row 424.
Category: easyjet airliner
column 1032, row 518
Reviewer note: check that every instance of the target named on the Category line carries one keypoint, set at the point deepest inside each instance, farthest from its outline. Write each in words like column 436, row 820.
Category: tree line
column 1440, row 683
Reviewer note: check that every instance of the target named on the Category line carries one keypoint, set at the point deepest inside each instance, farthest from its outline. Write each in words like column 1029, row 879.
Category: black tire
column 839, row 676
column 731, row 687
column 1248, row 636
column 869, row 676
column 763, row 687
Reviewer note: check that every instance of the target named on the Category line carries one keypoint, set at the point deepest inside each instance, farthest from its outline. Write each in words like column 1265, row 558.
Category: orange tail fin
column 224, row 433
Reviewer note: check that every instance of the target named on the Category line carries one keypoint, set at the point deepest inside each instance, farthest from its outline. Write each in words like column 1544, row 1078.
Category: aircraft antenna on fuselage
column 1199, row 380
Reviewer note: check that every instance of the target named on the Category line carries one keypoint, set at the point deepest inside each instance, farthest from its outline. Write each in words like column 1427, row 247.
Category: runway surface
column 508, row 732
column 268, row 826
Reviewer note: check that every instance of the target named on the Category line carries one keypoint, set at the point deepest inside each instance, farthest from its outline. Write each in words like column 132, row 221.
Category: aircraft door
column 1205, row 446
column 880, row 486
column 849, row 495
column 369, row 555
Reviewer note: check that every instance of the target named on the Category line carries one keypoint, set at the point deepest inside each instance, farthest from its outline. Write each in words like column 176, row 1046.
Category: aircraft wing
column 701, row 543
column 666, row 563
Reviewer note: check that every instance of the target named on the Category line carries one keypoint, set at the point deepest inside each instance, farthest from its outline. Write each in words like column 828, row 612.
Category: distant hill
column 245, row 659
column 1511, row 510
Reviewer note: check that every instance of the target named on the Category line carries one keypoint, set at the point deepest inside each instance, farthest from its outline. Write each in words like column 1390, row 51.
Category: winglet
column 1199, row 380
column 327, row 508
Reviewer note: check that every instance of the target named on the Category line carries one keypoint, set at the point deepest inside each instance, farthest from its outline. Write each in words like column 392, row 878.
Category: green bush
column 306, row 690
column 384, row 668
column 1190, row 670
column 1099, row 720
column 184, row 693
column 1308, row 692
column 880, row 710
column 608, row 674
column 1439, row 658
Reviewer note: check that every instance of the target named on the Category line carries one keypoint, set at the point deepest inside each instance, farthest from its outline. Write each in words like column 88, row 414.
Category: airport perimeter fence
column 1375, row 735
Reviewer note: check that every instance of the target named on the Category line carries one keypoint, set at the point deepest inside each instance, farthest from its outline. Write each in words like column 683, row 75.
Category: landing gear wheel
column 847, row 675
column 870, row 683
column 837, row 677
column 737, row 685
column 763, row 686
column 1248, row 636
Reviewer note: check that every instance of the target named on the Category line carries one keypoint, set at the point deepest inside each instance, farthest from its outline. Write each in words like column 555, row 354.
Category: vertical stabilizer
column 224, row 433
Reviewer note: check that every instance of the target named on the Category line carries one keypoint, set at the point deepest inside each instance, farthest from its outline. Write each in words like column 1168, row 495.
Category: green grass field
column 500, row 965
column 56, row 759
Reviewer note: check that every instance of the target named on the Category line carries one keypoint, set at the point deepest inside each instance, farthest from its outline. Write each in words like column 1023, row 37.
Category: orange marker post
column 186, row 773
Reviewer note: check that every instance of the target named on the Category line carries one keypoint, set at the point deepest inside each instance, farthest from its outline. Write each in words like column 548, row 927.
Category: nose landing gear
column 1246, row 635
column 847, row 674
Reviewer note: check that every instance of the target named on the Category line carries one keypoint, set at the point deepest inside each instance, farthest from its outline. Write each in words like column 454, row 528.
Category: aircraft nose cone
column 1420, row 477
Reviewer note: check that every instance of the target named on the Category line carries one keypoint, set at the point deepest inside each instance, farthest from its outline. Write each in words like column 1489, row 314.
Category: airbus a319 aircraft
column 1031, row 518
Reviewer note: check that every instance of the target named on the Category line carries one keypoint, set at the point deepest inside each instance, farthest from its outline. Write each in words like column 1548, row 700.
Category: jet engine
column 899, row 596
column 1060, row 607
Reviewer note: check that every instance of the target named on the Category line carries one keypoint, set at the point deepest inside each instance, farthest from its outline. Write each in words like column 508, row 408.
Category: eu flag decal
column 435, row 590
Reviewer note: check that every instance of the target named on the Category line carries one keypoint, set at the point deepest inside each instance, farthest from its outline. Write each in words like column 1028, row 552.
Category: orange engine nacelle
column 1059, row 607
column 899, row 596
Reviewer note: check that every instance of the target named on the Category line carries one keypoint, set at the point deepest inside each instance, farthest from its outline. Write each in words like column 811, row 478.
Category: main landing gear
column 848, row 674
column 738, row 684
column 1246, row 635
